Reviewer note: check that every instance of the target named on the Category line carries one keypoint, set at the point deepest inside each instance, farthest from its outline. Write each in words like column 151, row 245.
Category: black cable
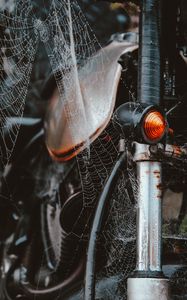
column 96, row 227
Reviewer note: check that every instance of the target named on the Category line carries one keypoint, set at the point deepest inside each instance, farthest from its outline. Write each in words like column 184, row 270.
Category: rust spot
column 156, row 172
column 159, row 186
column 177, row 150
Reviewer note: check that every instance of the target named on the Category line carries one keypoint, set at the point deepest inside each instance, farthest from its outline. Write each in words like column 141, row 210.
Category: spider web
column 70, row 44
column 70, row 48
column 18, row 47
column 73, row 44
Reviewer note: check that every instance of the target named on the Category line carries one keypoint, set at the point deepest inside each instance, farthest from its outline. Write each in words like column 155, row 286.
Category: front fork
column 147, row 281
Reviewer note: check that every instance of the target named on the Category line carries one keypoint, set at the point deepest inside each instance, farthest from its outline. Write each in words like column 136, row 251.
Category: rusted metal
column 149, row 229
column 149, row 213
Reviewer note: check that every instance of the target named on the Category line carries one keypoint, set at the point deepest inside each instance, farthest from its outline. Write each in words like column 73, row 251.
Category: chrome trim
column 149, row 210
column 148, row 289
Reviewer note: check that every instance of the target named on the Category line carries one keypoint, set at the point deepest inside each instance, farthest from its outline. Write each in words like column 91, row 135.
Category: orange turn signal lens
column 154, row 125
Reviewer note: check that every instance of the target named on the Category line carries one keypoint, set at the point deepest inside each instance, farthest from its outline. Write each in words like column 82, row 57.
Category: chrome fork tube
column 149, row 216
column 148, row 282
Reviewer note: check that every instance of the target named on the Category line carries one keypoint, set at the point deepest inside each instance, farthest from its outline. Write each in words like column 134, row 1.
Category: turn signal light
column 141, row 122
column 154, row 126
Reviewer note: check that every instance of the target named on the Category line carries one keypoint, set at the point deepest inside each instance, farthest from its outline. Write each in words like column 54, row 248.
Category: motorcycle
column 94, row 181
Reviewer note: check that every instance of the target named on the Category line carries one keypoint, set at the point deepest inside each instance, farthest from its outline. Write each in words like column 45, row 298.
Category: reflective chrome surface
column 148, row 289
column 149, row 214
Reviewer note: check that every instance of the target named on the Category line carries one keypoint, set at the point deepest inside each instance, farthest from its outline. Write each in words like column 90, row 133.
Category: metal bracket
column 145, row 152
